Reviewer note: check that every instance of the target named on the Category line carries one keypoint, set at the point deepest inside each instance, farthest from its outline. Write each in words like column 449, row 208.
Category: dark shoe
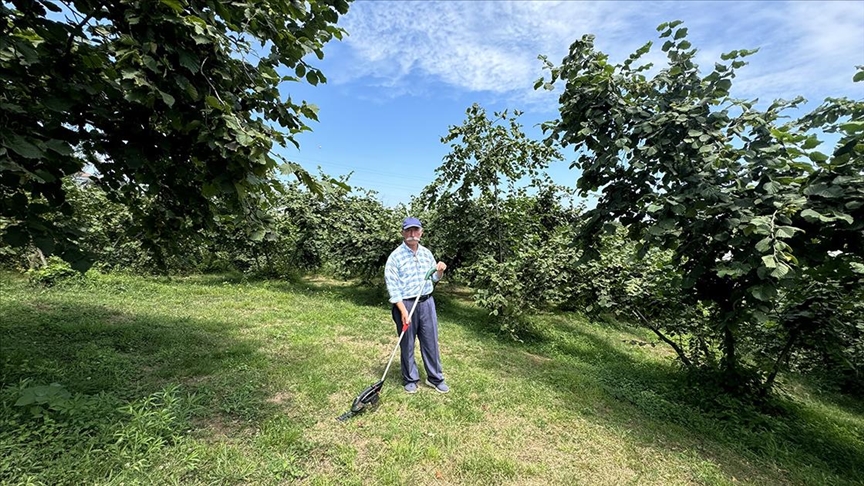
column 411, row 388
column 440, row 387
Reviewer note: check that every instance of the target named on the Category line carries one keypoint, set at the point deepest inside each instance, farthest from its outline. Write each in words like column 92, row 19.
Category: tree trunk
column 270, row 269
column 37, row 254
column 730, row 360
column 498, row 223
column 783, row 357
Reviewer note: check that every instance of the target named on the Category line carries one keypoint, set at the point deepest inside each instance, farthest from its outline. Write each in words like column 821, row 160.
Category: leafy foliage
column 488, row 156
column 745, row 203
column 359, row 233
column 54, row 272
column 162, row 100
column 48, row 421
column 498, row 219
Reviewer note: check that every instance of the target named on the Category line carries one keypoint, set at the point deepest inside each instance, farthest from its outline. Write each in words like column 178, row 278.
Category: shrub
column 55, row 271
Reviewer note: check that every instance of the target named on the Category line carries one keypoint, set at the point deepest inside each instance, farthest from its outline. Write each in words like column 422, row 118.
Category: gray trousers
column 424, row 327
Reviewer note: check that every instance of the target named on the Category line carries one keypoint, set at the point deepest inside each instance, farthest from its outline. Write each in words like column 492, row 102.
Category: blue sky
column 408, row 70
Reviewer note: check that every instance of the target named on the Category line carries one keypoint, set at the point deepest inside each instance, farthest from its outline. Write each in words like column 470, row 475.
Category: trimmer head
column 366, row 399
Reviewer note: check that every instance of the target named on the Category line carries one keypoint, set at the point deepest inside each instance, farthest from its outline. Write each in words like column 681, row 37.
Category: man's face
column 412, row 234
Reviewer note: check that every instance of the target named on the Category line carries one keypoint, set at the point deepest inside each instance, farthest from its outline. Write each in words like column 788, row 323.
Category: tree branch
column 77, row 27
column 769, row 382
column 666, row 340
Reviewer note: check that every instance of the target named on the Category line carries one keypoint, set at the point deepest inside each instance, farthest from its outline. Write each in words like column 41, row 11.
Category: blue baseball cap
column 411, row 223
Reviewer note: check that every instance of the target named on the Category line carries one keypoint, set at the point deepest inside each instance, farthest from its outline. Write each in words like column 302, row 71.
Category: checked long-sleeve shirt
column 405, row 271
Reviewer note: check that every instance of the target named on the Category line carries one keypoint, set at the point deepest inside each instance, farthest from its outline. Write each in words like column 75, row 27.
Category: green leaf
column 667, row 224
column 150, row 63
column 731, row 271
column 812, row 216
column 811, row 143
column 192, row 92
column 852, row 127
column 257, row 235
column 764, row 245
column 59, row 146
column 844, row 217
column 681, row 33
column 787, row 231
column 167, row 98
column 729, row 55
column 22, row 147
column 209, row 189
column 771, row 187
column 312, row 78
column 824, row 190
column 859, row 76
column 764, row 292
column 769, row 261
column 188, row 61
column 44, row 175
column 174, row 4
column 781, row 271
column 817, row 156
column 60, row 105
column 214, row 102
column 244, row 139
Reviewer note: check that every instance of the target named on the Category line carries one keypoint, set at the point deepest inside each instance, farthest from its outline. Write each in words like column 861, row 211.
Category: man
column 405, row 274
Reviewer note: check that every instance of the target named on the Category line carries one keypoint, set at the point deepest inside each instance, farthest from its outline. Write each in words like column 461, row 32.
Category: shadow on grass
column 92, row 349
column 658, row 402
column 658, row 396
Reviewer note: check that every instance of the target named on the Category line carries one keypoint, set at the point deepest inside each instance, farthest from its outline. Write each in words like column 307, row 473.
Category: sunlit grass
column 215, row 379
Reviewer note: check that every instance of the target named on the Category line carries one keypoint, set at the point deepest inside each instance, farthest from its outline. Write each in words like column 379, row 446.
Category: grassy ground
column 213, row 379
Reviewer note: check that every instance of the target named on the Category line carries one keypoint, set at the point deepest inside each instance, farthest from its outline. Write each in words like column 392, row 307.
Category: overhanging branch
column 666, row 340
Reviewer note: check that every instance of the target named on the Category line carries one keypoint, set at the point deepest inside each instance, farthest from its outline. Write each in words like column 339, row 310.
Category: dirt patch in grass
column 41, row 306
column 280, row 398
column 537, row 359
column 217, row 428
column 116, row 317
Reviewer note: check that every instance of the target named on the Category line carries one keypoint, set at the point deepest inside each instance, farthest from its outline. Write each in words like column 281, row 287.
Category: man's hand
column 404, row 312
column 441, row 266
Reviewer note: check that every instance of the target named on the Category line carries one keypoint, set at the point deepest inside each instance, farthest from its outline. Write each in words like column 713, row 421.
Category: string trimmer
column 370, row 395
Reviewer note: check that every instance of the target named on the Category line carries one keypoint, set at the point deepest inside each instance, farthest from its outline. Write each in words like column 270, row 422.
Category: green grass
column 218, row 380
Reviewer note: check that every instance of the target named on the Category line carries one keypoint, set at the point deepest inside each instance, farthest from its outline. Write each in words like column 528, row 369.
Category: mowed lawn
column 219, row 380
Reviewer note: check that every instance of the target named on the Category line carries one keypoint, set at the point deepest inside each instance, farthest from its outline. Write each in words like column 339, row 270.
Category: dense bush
column 359, row 233
column 55, row 271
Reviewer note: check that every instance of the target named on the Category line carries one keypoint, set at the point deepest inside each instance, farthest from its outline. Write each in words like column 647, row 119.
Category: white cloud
column 807, row 48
